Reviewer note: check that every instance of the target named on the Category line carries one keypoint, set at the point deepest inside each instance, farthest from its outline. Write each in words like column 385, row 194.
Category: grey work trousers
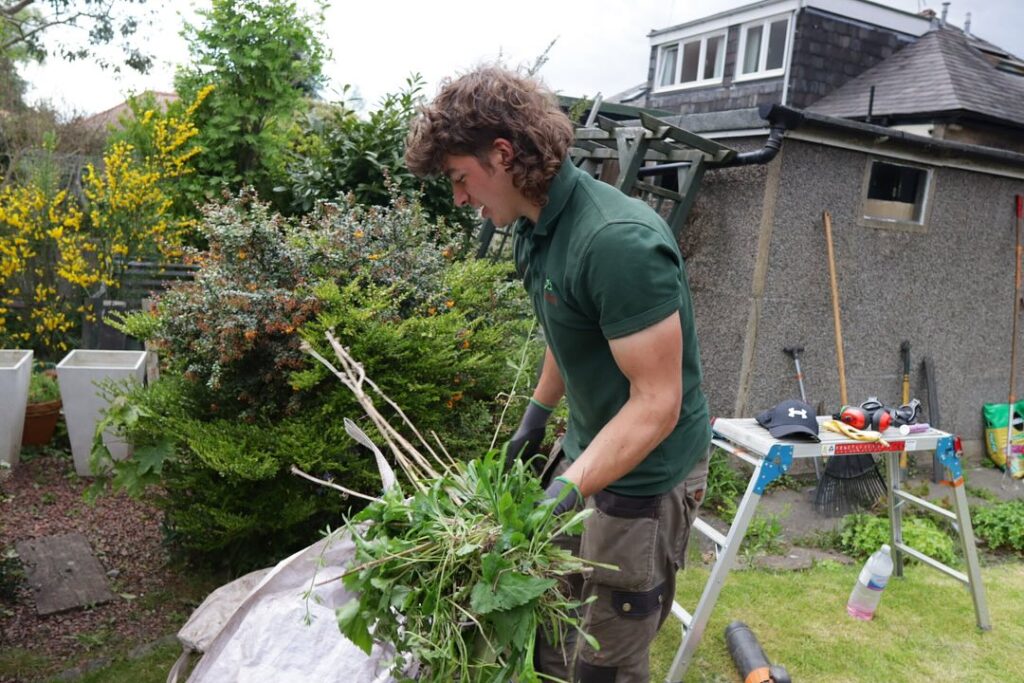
column 646, row 538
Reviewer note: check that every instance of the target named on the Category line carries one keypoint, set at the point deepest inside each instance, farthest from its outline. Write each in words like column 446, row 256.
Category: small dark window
column 895, row 183
column 896, row 193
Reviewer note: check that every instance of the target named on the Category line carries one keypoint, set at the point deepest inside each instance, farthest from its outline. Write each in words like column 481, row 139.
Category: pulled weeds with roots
column 459, row 575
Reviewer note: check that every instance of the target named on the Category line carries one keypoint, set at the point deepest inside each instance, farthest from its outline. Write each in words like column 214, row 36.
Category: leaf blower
column 749, row 658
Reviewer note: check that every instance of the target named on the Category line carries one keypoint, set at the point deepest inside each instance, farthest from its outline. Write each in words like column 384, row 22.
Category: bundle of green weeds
column 458, row 576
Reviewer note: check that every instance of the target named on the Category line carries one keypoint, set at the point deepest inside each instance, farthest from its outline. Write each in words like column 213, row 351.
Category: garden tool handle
column 834, row 282
column 905, row 354
column 795, row 352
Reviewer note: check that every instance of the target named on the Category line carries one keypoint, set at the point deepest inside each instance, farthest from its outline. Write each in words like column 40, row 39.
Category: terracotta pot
column 40, row 423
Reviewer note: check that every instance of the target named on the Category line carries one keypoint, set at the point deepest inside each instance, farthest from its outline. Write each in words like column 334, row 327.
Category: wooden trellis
column 643, row 154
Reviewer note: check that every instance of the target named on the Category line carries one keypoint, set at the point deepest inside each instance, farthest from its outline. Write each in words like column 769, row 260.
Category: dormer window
column 762, row 52
column 694, row 61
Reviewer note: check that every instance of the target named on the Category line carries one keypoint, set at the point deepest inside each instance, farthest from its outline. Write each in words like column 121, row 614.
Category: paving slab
column 63, row 573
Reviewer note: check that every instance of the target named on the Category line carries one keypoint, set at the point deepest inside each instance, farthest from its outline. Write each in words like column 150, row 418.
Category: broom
column 849, row 482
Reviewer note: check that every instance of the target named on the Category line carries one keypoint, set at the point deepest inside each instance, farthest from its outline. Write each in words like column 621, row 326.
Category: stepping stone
column 63, row 573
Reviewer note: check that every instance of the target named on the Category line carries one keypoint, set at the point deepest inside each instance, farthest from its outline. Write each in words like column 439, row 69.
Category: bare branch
column 348, row 492
column 11, row 10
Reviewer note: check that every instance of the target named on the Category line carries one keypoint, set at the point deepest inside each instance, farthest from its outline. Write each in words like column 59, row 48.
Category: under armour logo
column 793, row 412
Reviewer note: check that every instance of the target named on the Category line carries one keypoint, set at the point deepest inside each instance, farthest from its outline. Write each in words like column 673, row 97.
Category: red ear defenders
column 871, row 414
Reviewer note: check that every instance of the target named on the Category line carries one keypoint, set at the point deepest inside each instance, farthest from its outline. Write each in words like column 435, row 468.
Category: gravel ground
column 43, row 496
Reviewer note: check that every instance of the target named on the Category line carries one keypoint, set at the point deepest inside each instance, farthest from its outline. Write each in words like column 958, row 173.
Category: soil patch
column 41, row 497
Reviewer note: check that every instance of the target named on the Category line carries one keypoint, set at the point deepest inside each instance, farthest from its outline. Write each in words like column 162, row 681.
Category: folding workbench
column 771, row 458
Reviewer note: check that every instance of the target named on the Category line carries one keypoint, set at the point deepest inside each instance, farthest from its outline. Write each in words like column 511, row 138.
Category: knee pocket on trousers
column 639, row 604
column 592, row 673
column 624, row 532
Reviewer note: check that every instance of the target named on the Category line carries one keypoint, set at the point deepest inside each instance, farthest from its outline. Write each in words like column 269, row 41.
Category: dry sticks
column 353, row 376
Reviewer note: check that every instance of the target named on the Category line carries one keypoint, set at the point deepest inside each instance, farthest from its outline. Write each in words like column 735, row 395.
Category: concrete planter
column 78, row 375
column 15, row 374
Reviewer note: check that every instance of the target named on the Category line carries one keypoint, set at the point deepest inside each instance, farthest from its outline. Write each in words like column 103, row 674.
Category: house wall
column 719, row 243
column 829, row 51
column 948, row 291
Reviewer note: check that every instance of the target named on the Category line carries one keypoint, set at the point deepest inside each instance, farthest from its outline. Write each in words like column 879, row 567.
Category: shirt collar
column 561, row 188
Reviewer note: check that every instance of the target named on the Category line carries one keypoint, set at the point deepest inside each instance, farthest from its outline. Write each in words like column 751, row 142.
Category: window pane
column 752, row 51
column 691, row 59
column 776, row 44
column 894, row 183
column 668, row 65
column 714, row 58
column 896, row 193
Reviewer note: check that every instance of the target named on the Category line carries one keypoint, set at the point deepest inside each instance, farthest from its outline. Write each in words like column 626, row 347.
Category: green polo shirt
column 599, row 265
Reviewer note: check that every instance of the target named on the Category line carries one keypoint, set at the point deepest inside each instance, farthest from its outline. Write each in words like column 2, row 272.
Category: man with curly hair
column 608, row 284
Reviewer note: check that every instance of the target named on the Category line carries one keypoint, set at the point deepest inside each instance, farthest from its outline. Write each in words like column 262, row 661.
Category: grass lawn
column 924, row 629
column 150, row 668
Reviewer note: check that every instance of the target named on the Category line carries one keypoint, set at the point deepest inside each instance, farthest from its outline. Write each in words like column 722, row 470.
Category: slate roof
column 940, row 73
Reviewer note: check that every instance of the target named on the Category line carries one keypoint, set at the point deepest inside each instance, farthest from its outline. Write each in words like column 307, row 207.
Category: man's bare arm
column 652, row 362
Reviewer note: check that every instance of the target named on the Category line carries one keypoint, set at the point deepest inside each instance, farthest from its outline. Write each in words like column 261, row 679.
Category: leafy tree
column 24, row 22
column 341, row 153
column 264, row 58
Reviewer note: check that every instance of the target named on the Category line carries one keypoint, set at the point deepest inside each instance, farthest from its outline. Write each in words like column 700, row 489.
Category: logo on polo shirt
column 549, row 292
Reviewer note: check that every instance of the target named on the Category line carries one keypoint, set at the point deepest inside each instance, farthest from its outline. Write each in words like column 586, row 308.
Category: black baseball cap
column 790, row 419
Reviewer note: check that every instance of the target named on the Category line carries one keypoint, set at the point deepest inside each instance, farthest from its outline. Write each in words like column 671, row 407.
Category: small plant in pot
column 43, row 409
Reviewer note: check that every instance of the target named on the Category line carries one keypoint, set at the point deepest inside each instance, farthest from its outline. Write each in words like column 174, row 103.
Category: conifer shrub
column 239, row 403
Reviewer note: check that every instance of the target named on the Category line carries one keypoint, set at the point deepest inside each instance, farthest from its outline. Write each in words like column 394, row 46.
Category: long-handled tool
column 834, row 283
column 938, row 470
column 905, row 356
column 1013, row 342
column 794, row 352
column 849, row 481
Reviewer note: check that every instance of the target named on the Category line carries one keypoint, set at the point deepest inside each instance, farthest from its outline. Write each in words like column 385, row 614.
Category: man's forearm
column 623, row 443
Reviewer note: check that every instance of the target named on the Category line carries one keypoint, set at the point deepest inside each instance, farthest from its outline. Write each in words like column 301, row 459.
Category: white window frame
column 762, row 58
column 678, row 44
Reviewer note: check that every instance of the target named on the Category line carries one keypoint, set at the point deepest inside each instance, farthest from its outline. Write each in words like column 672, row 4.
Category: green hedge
column 240, row 402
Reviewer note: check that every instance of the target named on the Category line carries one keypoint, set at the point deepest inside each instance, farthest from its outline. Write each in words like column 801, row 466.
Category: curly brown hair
column 492, row 102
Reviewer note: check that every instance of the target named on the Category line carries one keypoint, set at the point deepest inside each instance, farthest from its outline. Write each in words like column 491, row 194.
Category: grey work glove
column 525, row 443
column 572, row 499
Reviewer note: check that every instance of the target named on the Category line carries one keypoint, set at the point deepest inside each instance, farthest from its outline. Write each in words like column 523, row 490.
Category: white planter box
column 78, row 375
column 15, row 375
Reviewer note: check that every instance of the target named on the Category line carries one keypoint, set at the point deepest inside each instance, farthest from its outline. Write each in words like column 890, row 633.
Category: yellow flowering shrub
column 44, row 254
column 54, row 252
column 130, row 200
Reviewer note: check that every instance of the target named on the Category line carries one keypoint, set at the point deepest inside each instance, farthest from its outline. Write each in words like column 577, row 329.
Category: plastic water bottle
column 868, row 589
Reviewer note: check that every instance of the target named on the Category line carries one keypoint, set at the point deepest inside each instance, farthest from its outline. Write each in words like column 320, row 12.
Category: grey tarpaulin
column 254, row 628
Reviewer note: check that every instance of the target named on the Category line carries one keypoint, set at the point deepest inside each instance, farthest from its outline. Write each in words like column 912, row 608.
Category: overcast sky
column 602, row 45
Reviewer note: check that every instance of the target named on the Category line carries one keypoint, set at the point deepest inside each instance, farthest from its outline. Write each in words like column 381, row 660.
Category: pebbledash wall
column 758, row 267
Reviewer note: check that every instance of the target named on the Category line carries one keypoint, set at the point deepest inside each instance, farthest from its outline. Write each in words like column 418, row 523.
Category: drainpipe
column 781, row 120
column 760, row 156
